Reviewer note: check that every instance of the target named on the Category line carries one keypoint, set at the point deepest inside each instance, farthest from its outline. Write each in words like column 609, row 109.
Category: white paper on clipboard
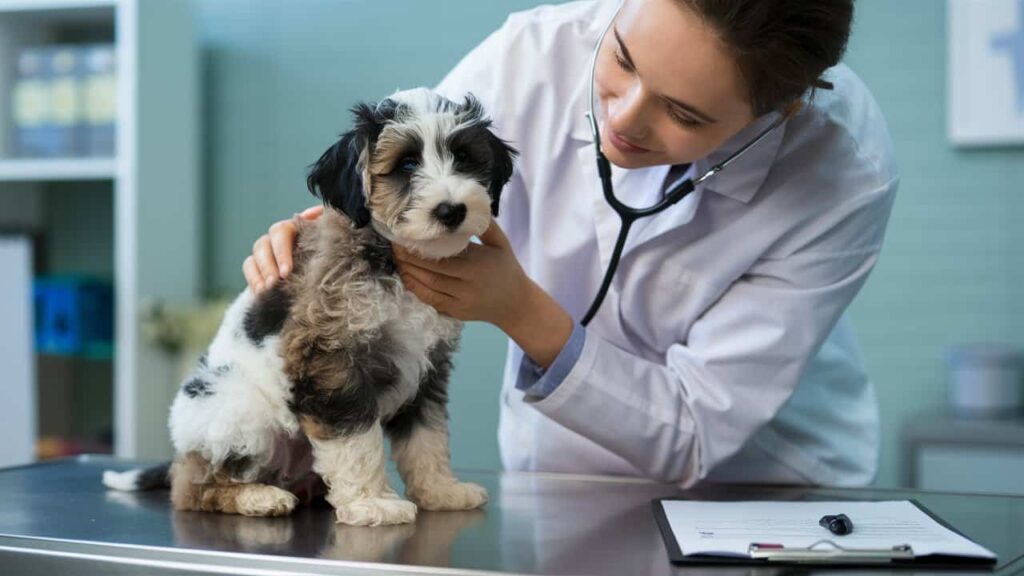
column 729, row 528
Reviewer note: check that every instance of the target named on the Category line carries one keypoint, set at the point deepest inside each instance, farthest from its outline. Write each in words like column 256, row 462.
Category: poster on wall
column 986, row 72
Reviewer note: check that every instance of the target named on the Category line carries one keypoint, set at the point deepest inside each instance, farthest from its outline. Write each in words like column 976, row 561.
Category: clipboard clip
column 828, row 552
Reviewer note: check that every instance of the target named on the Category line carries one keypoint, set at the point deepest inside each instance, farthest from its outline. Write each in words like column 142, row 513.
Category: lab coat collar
column 744, row 177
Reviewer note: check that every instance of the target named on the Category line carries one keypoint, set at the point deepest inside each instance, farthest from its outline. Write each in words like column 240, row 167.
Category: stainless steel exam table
column 57, row 518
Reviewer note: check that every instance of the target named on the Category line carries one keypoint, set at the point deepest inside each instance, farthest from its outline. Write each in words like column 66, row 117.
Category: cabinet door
column 965, row 468
column 17, row 382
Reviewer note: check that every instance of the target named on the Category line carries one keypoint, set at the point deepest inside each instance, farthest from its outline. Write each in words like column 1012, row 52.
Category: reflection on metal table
column 57, row 518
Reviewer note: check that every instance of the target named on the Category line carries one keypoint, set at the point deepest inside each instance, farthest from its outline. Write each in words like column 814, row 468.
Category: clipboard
column 824, row 552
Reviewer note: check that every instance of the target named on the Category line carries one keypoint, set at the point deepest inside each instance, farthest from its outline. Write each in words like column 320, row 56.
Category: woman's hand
column 271, row 257
column 487, row 283
column 484, row 283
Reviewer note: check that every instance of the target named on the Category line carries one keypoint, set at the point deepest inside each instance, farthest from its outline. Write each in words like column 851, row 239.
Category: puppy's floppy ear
column 503, row 157
column 337, row 177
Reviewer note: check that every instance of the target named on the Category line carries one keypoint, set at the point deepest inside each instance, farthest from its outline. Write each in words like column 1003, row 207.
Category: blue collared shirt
column 537, row 382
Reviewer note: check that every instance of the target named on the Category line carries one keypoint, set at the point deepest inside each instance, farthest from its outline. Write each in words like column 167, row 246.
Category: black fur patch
column 196, row 387
column 433, row 390
column 344, row 411
column 155, row 477
column 377, row 254
column 204, row 360
column 351, row 407
column 471, row 151
column 267, row 314
column 236, row 466
column 484, row 156
column 336, row 177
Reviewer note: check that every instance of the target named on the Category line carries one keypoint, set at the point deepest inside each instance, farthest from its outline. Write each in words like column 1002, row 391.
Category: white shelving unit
column 153, row 179
column 58, row 170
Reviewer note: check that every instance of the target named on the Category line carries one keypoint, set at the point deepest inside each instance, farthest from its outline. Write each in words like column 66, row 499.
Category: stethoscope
column 628, row 214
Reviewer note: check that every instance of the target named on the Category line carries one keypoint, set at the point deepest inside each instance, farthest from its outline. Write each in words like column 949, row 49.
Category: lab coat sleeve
column 537, row 382
column 741, row 361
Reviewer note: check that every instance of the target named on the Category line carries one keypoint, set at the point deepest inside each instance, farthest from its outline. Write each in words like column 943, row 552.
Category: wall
column 281, row 75
column 952, row 267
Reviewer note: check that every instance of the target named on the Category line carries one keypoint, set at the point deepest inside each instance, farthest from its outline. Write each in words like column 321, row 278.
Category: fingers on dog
column 263, row 251
column 252, row 275
column 282, row 241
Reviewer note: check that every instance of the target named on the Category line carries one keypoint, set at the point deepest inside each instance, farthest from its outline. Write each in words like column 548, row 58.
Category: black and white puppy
column 302, row 382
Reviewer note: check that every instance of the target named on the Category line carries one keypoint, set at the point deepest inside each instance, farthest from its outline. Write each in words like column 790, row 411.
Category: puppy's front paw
column 376, row 512
column 449, row 496
column 265, row 501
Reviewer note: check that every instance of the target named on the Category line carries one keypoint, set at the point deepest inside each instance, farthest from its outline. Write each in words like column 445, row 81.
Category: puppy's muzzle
column 450, row 215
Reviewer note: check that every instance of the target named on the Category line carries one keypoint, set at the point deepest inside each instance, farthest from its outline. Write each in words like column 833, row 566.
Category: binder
column 826, row 551
column 30, row 112
column 65, row 99
column 99, row 81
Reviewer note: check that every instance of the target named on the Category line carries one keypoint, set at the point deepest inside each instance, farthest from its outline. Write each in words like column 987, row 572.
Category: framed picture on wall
column 986, row 72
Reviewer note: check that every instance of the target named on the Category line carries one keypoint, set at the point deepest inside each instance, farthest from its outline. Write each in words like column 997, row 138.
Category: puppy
column 302, row 382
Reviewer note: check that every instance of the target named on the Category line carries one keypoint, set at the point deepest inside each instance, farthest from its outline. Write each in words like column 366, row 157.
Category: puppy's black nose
column 451, row 215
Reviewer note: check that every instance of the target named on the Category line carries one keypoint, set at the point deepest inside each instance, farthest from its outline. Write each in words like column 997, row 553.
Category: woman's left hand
column 484, row 283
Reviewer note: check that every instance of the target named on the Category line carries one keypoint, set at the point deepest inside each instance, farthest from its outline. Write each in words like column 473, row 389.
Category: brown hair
column 782, row 47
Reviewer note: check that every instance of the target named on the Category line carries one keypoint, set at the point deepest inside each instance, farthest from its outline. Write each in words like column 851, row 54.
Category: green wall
column 280, row 76
column 952, row 268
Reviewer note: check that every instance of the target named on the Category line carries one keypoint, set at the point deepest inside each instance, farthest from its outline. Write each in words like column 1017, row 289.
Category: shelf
column 57, row 169
column 44, row 5
column 35, row 19
column 110, row 216
column 98, row 354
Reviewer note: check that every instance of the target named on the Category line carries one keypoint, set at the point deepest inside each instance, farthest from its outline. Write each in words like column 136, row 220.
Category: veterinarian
column 721, row 351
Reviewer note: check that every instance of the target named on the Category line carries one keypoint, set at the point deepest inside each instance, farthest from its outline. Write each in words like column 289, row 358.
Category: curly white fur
column 250, row 410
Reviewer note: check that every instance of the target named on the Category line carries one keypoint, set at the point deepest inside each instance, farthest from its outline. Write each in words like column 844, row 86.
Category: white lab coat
column 720, row 352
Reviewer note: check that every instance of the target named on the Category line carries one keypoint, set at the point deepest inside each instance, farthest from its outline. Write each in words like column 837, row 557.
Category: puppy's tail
column 154, row 478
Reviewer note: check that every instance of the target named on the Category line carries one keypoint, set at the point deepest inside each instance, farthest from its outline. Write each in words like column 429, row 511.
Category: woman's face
column 667, row 90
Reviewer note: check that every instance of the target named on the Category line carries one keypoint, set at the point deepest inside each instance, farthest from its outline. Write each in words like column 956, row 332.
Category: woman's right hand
column 271, row 257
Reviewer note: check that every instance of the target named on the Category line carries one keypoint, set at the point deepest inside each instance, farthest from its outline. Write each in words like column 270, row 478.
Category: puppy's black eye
column 408, row 165
column 460, row 156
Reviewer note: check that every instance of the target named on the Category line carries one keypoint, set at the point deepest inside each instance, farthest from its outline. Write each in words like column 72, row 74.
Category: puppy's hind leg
column 195, row 485
column 352, row 466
